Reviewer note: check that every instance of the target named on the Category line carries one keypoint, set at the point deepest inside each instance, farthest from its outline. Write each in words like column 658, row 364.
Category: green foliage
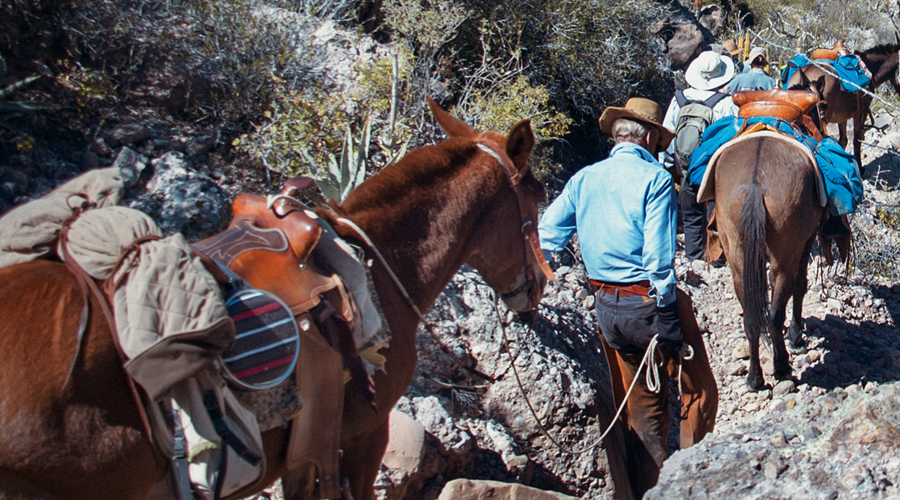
column 348, row 171
column 589, row 53
column 298, row 132
column 424, row 25
column 510, row 102
column 889, row 216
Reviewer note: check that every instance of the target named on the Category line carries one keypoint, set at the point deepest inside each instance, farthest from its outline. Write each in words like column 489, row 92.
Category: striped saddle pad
column 267, row 340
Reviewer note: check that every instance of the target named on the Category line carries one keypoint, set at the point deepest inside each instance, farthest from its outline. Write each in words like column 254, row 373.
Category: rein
column 406, row 298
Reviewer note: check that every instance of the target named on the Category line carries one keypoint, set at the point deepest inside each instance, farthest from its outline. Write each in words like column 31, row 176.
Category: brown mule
column 839, row 105
column 468, row 200
column 768, row 209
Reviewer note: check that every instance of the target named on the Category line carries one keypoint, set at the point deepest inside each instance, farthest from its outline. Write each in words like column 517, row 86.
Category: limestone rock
column 405, row 447
column 466, row 489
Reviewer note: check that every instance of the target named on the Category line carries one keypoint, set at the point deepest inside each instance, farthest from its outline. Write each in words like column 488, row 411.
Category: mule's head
column 817, row 84
column 504, row 247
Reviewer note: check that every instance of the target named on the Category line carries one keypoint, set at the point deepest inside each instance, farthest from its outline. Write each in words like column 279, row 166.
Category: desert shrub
column 306, row 131
column 876, row 242
column 589, row 54
column 798, row 26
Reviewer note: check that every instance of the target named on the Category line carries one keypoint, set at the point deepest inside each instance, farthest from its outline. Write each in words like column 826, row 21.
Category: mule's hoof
column 756, row 384
column 783, row 375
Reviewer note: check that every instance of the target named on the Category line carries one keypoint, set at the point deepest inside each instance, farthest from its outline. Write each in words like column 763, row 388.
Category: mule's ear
column 819, row 85
column 452, row 126
column 519, row 143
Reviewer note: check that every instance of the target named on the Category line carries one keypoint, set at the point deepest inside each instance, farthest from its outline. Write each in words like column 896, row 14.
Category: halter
column 533, row 253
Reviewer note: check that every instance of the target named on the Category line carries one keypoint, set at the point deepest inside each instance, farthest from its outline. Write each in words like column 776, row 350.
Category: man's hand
column 670, row 337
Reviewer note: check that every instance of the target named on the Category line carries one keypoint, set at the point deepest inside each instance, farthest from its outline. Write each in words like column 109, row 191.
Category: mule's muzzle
column 526, row 290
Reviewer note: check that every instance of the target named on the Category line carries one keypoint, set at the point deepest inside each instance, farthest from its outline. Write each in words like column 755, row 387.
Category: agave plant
column 9, row 108
column 348, row 171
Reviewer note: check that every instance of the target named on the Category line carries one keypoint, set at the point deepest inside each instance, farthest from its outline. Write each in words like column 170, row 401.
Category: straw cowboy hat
column 709, row 71
column 732, row 47
column 638, row 109
column 754, row 53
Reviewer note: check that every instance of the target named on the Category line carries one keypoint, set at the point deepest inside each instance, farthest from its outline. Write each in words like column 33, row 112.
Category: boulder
column 466, row 489
column 686, row 43
column 713, row 18
column 406, row 446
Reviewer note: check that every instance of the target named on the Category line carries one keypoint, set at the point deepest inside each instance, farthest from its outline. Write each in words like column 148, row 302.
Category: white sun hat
column 709, row 71
column 754, row 53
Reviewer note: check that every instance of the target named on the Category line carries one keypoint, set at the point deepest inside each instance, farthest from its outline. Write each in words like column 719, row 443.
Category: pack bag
column 693, row 118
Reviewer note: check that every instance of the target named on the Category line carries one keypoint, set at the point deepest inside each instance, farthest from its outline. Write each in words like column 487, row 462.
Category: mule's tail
column 753, row 236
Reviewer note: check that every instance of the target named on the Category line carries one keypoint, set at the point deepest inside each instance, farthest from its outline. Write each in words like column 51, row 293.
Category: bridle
column 532, row 247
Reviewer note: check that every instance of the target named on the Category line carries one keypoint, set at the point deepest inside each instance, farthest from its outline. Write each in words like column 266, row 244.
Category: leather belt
column 641, row 288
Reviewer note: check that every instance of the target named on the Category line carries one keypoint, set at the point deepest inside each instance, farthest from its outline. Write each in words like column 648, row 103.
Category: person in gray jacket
column 707, row 74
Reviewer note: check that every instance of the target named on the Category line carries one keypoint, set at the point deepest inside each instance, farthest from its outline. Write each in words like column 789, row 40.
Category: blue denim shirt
column 755, row 79
column 623, row 209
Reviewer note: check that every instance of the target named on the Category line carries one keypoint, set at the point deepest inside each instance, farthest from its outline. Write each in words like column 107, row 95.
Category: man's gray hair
column 625, row 129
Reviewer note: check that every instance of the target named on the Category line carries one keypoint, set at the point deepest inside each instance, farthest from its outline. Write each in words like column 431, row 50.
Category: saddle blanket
column 838, row 170
column 848, row 68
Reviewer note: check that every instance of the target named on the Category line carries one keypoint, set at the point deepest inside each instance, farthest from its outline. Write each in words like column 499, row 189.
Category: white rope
column 827, row 69
column 652, row 379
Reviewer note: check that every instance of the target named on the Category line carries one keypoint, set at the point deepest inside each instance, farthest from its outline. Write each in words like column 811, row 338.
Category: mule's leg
column 858, row 122
column 842, row 134
column 795, row 331
column 300, row 484
column 755, row 380
column 362, row 459
column 783, row 289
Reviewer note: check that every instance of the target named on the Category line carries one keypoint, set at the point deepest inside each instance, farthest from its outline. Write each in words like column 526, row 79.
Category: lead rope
column 412, row 305
column 652, row 380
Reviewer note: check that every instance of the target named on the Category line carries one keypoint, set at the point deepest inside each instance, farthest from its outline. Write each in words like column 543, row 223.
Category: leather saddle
column 271, row 252
column 788, row 105
column 270, row 244
column 831, row 54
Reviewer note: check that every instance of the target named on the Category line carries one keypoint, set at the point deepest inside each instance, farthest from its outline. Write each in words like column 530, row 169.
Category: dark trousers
column 694, row 219
column 646, row 417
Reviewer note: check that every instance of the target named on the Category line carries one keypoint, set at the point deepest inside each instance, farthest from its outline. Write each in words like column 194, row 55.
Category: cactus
column 349, row 171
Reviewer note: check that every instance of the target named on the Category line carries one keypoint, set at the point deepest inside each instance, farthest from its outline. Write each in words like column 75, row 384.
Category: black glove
column 670, row 337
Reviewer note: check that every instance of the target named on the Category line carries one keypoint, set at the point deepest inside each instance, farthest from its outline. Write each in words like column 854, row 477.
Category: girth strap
column 228, row 437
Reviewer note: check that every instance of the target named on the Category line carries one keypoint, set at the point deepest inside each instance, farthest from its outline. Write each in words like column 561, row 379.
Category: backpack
column 693, row 118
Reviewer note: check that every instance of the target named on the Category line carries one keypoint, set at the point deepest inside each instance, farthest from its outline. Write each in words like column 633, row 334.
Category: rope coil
column 653, row 381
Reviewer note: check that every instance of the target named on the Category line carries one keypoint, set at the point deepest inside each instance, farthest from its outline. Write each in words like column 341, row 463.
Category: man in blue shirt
column 756, row 78
column 624, row 210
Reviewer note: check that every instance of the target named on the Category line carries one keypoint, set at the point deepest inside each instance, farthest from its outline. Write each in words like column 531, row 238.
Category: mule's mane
column 881, row 61
column 885, row 49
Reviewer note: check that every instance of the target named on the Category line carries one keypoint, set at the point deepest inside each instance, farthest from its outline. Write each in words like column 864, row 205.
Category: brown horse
column 768, row 210
column 838, row 105
column 468, row 200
